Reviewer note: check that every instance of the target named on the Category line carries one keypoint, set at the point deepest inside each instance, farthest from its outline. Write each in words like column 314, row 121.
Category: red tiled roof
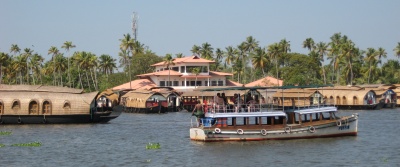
column 233, row 83
column 267, row 81
column 136, row 84
column 220, row 73
column 162, row 73
column 194, row 76
column 189, row 59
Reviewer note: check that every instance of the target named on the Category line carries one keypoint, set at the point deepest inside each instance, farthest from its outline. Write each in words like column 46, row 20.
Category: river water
column 122, row 142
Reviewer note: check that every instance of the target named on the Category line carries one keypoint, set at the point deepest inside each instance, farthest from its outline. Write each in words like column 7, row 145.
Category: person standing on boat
column 199, row 111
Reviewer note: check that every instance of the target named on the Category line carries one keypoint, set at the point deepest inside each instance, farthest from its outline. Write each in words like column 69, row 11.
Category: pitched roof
column 267, row 81
column 216, row 73
column 136, row 84
column 162, row 73
column 232, row 83
column 189, row 59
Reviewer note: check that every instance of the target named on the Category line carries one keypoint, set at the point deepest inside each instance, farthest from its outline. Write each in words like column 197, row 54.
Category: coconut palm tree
column 219, row 54
column 14, row 49
column 128, row 44
column 397, row 50
column 370, row 59
column 107, row 64
column 230, row 55
column 27, row 54
column 249, row 46
column 284, row 46
column 179, row 55
column 36, row 66
column 196, row 50
column 259, row 59
column 309, row 44
column 196, row 72
column 349, row 51
column 3, row 60
column 19, row 65
column 322, row 50
column 53, row 51
column 168, row 61
column 67, row 46
column 206, row 51
column 273, row 51
column 60, row 65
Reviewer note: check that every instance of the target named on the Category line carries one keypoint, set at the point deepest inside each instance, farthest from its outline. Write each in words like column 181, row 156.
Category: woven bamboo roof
column 39, row 88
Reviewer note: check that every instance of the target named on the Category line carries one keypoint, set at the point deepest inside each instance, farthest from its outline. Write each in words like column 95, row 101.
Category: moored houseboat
column 34, row 104
column 270, row 124
column 144, row 101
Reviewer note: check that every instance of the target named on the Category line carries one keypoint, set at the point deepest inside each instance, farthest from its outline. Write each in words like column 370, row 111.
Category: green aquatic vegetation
column 32, row 144
column 4, row 133
column 2, row 145
column 153, row 146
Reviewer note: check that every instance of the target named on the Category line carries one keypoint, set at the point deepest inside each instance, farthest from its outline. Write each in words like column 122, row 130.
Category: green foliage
column 5, row 133
column 32, row 144
column 152, row 146
column 300, row 70
column 2, row 145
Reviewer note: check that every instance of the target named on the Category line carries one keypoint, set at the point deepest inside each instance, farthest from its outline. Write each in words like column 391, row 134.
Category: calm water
column 122, row 142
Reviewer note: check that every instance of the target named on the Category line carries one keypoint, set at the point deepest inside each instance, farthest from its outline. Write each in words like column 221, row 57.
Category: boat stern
column 197, row 134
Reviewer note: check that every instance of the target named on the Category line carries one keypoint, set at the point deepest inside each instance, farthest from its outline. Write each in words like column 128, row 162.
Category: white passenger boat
column 268, row 124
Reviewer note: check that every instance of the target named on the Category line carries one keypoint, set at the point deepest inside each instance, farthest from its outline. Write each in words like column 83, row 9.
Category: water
column 122, row 142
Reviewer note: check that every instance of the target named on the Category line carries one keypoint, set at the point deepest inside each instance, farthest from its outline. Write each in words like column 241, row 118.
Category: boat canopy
column 247, row 114
column 316, row 110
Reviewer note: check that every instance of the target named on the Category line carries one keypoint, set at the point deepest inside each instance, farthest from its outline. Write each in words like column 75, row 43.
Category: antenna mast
column 135, row 19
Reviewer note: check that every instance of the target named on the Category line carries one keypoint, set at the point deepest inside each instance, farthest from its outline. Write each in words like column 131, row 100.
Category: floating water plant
column 4, row 133
column 2, row 145
column 32, row 144
column 153, row 146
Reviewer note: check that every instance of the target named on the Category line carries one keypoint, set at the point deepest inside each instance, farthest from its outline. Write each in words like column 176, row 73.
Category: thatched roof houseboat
column 144, row 101
column 30, row 104
column 292, row 98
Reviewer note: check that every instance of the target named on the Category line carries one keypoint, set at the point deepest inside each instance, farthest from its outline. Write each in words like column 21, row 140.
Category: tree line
column 248, row 61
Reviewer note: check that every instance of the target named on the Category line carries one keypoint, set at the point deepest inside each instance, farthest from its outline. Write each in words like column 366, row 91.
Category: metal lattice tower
column 135, row 19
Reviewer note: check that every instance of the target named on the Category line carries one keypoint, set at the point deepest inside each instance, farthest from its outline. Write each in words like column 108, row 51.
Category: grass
column 152, row 146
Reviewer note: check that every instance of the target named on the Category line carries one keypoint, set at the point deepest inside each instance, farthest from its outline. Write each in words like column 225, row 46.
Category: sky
column 174, row 26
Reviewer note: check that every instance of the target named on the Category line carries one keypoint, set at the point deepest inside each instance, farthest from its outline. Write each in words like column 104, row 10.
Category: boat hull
column 347, row 128
column 97, row 117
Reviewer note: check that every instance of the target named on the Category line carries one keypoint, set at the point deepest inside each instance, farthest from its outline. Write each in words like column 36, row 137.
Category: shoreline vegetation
column 338, row 62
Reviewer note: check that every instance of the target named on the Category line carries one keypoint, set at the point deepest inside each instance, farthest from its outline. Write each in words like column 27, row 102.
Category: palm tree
column 322, row 49
column 218, row 56
column 273, row 51
column 128, row 44
column 259, row 59
column 206, row 51
column 3, row 60
column 230, row 55
column 77, row 58
column 284, row 48
column 397, row 50
column 53, row 51
column 15, row 49
column 19, row 64
column 27, row 54
column 309, row 44
column 179, row 55
column 349, row 51
column 168, row 61
column 36, row 65
column 249, row 46
column 107, row 64
column 67, row 46
column 370, row 59
column 196, row 50
column 60, row 65
column 196, row 71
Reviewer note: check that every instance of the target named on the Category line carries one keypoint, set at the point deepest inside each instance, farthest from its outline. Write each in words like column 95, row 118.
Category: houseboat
column 144, row 101
column 271, row 124
column 37, row 104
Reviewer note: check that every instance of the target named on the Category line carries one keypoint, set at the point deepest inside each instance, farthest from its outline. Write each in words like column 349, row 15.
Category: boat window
column 67, row 105
column 264, row 121
column 46, row 107
column 15, row 105
column 162, row 83
column 229, row 121
column 355, row 100
column 325, row 116
column 33, row 107
column 1, row 107
column 253, row 121
column 240, row 121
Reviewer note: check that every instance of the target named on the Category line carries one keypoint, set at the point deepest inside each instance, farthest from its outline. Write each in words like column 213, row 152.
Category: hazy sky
column 174, row 26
